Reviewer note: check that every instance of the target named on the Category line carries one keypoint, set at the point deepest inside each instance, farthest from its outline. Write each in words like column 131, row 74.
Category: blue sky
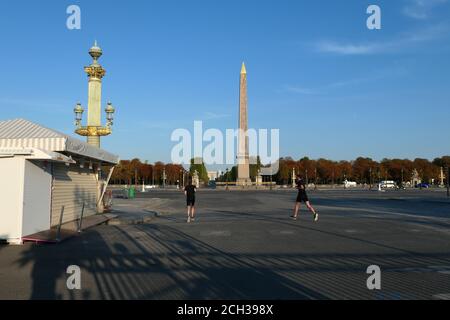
column 334, row 88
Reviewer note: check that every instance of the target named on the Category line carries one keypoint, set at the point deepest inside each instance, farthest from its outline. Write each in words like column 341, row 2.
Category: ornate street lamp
column 109, row 114
column 78, row 110
column 94, row 130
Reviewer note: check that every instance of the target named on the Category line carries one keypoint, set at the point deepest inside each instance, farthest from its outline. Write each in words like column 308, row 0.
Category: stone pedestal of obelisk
column 243, row 174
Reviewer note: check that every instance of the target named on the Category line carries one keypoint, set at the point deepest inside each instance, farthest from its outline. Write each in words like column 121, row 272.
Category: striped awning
column 35, row 154
column 21, row 133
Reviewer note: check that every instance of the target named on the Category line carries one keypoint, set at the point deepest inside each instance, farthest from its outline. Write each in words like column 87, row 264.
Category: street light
column 181, row 178
column 153, row 175
column 227, row 180
column 135, row 178
column 306, row 171
column 164, row 178
column 315, row 178
column 448, row 183
column 109, row 114
column 270, row 176
column 94, row 130
column 78, row 110
column 402, row 178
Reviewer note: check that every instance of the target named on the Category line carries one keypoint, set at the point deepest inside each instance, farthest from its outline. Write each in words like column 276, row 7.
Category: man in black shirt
column 303, row 197
column 189, row 191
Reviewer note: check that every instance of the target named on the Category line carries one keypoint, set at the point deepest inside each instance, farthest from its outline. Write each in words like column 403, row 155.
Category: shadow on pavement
column 175, row 266
column 159, row 261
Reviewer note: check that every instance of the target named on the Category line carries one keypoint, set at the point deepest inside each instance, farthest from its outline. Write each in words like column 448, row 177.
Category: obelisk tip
column 243, row 70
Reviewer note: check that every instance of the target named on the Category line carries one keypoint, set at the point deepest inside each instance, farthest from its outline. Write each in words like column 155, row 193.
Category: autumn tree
column 326, row 171
column 427, row 171
column 362, row 168
column 322, row 171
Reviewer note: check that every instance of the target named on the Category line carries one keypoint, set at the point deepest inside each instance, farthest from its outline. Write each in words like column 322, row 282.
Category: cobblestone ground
column 243, row 245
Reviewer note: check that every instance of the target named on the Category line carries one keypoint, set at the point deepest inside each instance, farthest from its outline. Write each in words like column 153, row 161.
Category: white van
column 388, row 184
column 348, row 184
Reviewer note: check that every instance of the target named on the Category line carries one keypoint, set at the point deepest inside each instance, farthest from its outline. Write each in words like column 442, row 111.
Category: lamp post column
column 94, row 130
column 448, row 181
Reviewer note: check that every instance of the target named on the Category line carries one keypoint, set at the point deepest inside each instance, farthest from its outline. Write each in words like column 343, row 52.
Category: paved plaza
column 243, row 245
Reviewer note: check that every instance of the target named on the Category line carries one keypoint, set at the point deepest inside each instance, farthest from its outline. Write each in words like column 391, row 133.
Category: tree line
column 362, row 170
column 320, row 171
column 136, row 172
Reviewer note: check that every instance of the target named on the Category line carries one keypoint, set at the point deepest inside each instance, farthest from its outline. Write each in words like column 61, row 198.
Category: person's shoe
column 189, row 220
column 192, row 219
column 294, row 217
column 316, row 217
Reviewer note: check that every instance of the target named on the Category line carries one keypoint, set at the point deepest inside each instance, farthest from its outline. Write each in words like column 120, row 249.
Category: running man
column 303, row 197
column 189, row 191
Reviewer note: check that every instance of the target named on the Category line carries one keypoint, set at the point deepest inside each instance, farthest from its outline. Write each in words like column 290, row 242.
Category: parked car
column 212, row 184
column 423, row 185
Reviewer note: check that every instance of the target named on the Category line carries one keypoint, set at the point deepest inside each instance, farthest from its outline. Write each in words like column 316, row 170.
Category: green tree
column 254, row 168
column 201, row 170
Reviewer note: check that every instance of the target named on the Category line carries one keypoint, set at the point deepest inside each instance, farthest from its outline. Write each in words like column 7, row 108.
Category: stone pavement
column 244, row 246
column 127, row 212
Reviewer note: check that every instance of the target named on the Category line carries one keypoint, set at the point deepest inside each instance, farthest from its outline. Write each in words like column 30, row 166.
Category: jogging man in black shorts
column 189, row 191
column 303, row 197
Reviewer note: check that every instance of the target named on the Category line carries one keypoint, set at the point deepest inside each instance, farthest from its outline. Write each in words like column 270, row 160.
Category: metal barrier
column 81, row 219
column 58, row 231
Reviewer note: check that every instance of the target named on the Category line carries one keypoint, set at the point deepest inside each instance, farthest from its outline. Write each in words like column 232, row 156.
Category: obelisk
column 243, row 177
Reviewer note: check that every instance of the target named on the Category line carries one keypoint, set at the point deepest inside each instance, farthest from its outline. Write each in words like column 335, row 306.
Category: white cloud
column 402, row 41
column 421, row 9
column 374, row 75
column 301, row 90
column 347, row 49
column 212, row 115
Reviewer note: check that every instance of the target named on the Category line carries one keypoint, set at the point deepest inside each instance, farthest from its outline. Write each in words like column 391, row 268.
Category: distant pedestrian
column 302, row 196
column 189, row 191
